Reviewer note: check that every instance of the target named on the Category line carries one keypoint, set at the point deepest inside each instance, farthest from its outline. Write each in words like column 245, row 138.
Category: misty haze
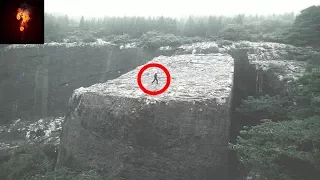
column 237, row 96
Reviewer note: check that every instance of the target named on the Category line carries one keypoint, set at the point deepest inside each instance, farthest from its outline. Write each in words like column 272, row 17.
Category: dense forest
column 169, row 31
column 285, row 28
column 281, row 139
column 136, row 26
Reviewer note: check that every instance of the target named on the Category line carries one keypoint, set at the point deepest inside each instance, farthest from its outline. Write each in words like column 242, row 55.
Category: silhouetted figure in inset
column 155, row 78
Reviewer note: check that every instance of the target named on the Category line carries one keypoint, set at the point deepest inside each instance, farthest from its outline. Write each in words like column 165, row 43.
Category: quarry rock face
column 116, row 128
column 181, row 134
column 36, row 81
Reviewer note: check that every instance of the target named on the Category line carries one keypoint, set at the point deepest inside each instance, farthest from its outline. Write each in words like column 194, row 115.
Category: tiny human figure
column 155, row 78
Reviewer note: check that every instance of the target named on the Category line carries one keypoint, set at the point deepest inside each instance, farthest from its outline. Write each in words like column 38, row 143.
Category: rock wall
column 115, row 128
column 36, row 81
column 254, row 75
column 181, row 134
column 159, row 141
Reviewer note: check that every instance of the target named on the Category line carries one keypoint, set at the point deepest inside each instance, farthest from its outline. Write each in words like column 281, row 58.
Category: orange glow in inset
column 23, row 15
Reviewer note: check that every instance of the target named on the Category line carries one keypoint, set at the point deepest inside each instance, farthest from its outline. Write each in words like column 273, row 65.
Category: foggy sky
column 173, row 8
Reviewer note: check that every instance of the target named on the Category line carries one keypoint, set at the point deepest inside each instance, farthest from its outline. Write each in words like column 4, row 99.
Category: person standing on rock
column 155, row 78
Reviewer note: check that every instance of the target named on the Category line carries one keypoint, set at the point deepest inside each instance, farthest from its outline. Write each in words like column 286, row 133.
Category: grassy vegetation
column 37, row 162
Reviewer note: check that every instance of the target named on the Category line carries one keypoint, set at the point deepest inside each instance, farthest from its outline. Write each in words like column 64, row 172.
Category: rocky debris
column 46, row 130
column 129, row 46
column 165, row 48
column 181, row 134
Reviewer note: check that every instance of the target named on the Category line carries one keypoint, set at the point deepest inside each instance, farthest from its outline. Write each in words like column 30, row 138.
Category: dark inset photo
column 22, row 22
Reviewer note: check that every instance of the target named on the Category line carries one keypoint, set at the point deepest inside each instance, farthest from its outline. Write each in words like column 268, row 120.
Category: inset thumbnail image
column 22, row 22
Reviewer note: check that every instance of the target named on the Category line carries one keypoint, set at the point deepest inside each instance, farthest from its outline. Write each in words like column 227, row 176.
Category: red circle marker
column 153, row 93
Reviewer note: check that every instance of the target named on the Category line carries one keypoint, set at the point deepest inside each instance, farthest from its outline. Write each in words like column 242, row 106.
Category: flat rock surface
column 192, row 77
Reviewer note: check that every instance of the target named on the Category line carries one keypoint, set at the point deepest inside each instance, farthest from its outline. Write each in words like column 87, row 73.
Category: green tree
column 26, row 163
column 239, row 19
column 200, row 28
column 306, row 27
column 214, row 26
column 287, row 150
column 189, row 28
column 275, row 108
column 234, row 32
column 82, row 23
column 283, row 150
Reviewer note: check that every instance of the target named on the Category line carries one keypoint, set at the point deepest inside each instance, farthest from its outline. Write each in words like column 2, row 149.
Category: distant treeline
column 190, row 27
column 301, row 30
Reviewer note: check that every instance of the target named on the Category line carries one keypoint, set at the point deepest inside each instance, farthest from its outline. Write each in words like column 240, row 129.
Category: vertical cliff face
column 182, row 134
column 258, row 71
column 37, row 80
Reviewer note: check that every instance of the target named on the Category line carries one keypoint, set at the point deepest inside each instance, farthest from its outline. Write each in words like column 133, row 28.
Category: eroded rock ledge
column 181, row 134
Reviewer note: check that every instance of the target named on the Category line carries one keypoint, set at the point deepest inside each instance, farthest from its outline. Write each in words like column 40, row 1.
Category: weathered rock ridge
column 116, row 128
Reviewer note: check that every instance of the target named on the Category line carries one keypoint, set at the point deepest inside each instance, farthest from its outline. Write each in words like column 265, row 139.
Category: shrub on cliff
column 234, row 32
column 265, row 107
column 89, row 38
column 121, row 39
column 154, row 40
column 55, row 37
column 282, row 150
column 286, row 149
column 26, row 163
column 62, row 173
column 279, row 36
column 33, row 162
column 268, row 30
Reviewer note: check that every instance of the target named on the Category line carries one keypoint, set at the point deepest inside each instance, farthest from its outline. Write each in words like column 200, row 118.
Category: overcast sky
column 174, row 8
